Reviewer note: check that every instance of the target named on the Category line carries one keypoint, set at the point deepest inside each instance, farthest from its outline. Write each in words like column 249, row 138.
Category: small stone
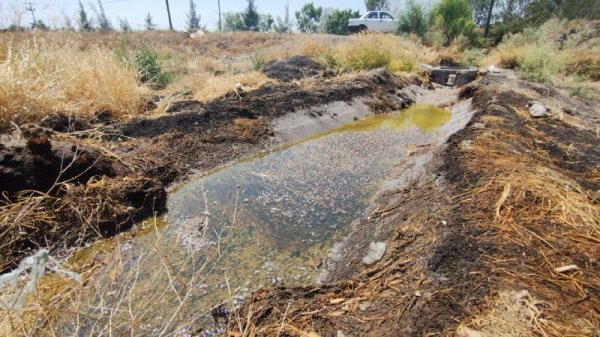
column 466, row 145
column 537, row 109
column 376, row 251
column 478, row 126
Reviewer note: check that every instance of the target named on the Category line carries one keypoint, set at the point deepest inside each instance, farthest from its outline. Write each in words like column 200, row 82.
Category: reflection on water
column 259, row 222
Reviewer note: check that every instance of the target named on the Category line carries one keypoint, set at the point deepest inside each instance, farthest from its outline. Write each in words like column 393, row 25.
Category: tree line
column 472, row 21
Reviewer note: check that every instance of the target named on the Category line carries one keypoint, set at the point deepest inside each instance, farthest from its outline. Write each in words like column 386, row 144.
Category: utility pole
column 489, row 19
column 32, row 10
column 219, row 3
column 169, row 13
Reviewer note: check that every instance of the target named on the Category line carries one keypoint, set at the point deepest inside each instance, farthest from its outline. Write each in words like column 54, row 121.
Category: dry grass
column 512, row 313
column 542, row 219
column 368, row 51
column 553, row 53
column 44, row 75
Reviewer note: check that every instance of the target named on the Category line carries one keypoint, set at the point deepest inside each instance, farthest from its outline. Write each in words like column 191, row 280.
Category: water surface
column 267, row 220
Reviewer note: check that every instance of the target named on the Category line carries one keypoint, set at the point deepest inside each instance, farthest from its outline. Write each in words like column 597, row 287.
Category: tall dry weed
column 41, row 76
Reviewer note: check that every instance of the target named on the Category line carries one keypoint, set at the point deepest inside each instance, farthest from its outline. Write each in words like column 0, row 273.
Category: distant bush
column 534, row 66
column 472, row 57
column 258, row 61
column 551, row 52
column 367, row 53
column 149, row 69
column 413, row 20
column 454, row 17
column 370, row 51
column 336, row 22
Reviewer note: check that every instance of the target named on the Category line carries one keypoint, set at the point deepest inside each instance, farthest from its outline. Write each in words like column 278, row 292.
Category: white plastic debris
column 31, row 268
column 376, row 251
column 492, row 69
column 566, row 268
column 451, row 79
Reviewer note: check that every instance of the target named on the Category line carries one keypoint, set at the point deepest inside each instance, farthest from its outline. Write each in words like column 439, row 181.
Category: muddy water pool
column 265, row 221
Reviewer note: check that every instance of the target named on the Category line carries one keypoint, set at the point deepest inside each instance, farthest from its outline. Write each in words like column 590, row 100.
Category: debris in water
column 376, row 251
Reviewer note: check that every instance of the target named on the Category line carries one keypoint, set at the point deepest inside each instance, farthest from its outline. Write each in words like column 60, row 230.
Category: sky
column 52, row 12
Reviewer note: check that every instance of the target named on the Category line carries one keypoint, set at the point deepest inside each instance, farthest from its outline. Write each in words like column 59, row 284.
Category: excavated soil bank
column 115, row 175
column 473, row 241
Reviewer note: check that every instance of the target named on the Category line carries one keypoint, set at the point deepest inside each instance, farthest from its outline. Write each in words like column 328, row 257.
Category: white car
column 377, row 21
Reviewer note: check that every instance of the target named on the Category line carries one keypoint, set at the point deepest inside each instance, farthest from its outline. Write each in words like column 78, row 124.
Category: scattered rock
column 376, row 251
column 184, row 106
column 466, row 145
column 537, row 109
column 294, row 68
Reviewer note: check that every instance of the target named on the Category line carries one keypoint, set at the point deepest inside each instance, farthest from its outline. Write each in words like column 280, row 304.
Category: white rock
column 537, row 109
column 493, row 70
column 197, row 34
column 376, row 251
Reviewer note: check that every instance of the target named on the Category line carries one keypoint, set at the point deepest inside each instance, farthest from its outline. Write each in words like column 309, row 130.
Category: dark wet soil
column 294, row 68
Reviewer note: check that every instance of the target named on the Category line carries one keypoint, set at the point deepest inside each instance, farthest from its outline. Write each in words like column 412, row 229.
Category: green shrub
column 150, row 70
column 586, row 67
column 455, row 18
column 472, row 57
column 368, row 58
column 258, row 62
column 413, row 20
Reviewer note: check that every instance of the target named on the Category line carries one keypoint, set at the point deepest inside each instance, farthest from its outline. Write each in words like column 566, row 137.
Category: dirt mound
column 77, row 215
column 294, row 68
column 271, row 100
column 39, row 162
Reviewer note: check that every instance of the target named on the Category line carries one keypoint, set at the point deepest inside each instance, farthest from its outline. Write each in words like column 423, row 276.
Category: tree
column 148, row 23
column 266, row 22
column 488, row 20
column 337, row 21
column 250, row 17
column 193, row 19
column 455, row 18
column 103, row 21
column 39, row 24
column 413, row 20
column 377, row 5
column 284, row 26
column 82, row 19
column 124, row 25
column 308, row 18
column 67, row 24
column 233, row 22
